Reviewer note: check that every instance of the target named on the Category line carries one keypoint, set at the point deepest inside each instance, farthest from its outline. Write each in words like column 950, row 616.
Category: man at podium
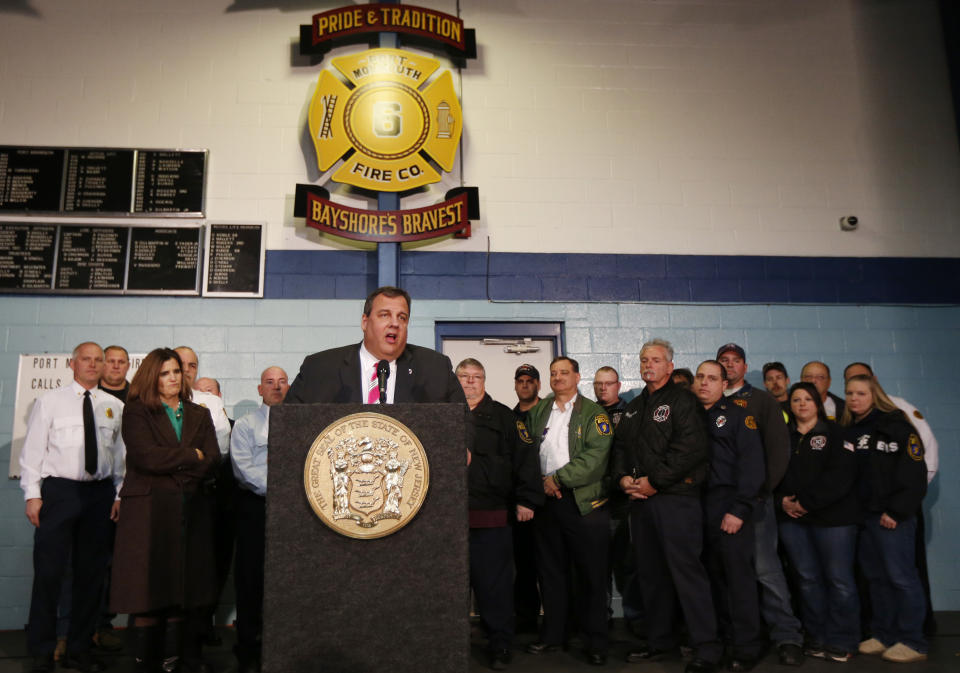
column 384, row 368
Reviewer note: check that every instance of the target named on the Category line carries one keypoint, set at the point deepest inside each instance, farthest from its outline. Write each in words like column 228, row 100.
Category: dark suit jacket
column 423, row 375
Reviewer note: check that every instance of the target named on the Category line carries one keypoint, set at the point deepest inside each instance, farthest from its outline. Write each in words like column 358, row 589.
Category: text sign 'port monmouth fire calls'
column 390, row 118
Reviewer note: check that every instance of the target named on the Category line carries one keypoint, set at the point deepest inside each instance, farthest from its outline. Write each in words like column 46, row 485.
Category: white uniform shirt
column 221, row 424
column 54, row 444
column 555, row 447
column 931, row 450
column 368, row 365
column 830, row 407
column 248, row 450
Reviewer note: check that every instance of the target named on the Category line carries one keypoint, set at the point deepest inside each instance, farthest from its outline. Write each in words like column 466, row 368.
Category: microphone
column 383, row 373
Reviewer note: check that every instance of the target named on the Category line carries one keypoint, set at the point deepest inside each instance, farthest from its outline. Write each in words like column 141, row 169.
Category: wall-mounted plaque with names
column 30, row 178
column 106, row 181
column 98, row 181
column 169, row 181
column 165, row 260
column 235, row 254
column 91, row 258
column 100, row 258
column 26, row 256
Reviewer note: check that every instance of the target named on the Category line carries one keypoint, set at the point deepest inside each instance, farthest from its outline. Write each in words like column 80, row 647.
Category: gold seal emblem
column 366, row 475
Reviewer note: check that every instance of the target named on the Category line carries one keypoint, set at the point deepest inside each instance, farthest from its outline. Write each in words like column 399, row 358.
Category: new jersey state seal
column 366, row 475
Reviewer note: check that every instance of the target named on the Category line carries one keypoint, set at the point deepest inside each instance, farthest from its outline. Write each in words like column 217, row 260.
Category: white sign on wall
column 36, row 375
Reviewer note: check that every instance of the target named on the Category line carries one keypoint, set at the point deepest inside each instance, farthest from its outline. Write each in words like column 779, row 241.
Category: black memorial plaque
column 91, row 258
column 234, row 261
column 169, row 181
column 98, row 180
column 30, row 178
column 26, row 256
column 164, row 259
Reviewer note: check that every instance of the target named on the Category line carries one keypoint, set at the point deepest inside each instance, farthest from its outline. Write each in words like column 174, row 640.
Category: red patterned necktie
column 373, row 390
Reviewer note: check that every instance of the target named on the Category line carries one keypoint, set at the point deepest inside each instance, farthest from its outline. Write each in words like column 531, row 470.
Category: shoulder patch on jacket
column 602, row 423
column 914, row 447
column 750, row 422
column 740, row 402
column 524, row 433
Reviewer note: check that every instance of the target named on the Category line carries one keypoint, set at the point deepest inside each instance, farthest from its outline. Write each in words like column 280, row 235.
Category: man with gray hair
column 71, row 470
column 660, row 460
column 503, row 478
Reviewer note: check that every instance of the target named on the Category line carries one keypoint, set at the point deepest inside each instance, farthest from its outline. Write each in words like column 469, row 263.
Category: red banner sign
column 407, row 19
column 388, row 226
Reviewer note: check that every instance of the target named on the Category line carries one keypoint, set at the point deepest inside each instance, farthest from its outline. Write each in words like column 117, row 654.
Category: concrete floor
column 944, row 657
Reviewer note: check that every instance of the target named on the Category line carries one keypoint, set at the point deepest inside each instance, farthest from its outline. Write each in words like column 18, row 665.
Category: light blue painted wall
column 914, row 351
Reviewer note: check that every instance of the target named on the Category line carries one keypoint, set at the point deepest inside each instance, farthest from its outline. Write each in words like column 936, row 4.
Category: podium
column 400, row 602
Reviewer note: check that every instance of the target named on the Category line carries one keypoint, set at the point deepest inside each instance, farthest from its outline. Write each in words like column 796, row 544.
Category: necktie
column 89, row 436
column 373, row 390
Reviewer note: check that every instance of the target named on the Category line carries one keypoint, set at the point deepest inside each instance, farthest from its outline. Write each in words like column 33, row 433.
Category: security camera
column 849, row 223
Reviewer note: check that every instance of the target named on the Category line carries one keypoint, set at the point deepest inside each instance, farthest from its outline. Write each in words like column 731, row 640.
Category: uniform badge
column 109, row 412
column 524, row 433
column 750, row 422
column 602, row 423
column 661, row 413
column 820, row 441
column 721, row 421
column 915, row 448
column 916, row 412
column 741, row 403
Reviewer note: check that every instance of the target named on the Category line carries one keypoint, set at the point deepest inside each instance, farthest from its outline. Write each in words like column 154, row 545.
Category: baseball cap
column 526, row 370
column 726, row 348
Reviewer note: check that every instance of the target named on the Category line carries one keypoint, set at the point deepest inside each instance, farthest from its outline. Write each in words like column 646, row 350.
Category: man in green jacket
column 574, row 435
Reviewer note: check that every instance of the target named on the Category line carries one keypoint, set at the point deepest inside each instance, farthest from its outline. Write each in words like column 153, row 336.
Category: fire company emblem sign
column 366, row 475
column 391, row 114
column 387, row 121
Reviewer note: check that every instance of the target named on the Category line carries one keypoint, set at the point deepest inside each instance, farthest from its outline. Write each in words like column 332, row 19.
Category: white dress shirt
column 555, row 447
column 248, row 450
column 54, row 444
column 221, row 424
column 368, row 367
column 931, row 450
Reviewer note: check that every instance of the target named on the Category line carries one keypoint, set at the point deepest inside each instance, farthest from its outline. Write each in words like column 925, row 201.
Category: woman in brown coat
column 163, row 568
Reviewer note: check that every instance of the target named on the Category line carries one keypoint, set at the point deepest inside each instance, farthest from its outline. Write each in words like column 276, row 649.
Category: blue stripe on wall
column 296, row 274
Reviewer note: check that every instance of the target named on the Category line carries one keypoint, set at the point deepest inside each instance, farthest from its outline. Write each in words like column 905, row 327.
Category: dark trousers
column 623, row 573
column 566, row 538
column 74, row 519
column 733, row 576
column 667, row 533
column 491, row 577
column 526, row 594
column 248, row 572
column 224, row 524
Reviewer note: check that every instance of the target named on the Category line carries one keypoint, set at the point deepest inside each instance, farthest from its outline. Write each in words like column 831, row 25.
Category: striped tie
column 373, row 390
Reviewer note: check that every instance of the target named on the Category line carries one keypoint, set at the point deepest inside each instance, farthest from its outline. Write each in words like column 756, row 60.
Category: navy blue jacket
column 822, row 475
column 737, row 467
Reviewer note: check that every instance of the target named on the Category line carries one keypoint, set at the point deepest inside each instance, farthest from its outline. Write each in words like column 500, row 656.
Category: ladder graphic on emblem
column 329, row 103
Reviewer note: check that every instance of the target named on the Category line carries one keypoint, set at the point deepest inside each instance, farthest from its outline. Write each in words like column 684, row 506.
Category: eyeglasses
column 471, row 377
